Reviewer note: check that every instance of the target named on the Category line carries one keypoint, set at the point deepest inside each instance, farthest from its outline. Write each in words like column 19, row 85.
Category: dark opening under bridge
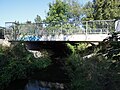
column 96, row 30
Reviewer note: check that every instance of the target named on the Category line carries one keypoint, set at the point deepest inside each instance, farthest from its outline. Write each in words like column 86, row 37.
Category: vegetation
column 18, row 63
column 71, row 9
column 38, row 19
column 89, row 68
column 88, row 11
column 100, row 71
column 58, row 12
column 75, row 9
column 108, row 9
column 102, row 10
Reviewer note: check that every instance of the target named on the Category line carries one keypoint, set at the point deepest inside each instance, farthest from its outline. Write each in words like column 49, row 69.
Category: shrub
column 18, row 64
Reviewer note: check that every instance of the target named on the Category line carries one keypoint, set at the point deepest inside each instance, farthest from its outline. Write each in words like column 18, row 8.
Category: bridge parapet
column 63, row 31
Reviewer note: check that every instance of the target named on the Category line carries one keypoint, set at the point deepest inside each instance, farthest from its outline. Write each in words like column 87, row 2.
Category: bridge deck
column 77, row 37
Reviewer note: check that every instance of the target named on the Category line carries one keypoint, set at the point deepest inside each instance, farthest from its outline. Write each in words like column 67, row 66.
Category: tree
column 75, row 9
column 88, row 11
column 106, row 9
column 58, row 12
column 102, row 10
column 38, row 19
column 57, row 16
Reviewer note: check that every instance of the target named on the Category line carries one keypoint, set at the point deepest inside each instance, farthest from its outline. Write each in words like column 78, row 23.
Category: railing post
column 61, row 27
column 86, row 27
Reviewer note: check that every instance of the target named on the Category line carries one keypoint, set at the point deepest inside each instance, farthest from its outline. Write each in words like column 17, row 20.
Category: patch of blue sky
column 23, row 10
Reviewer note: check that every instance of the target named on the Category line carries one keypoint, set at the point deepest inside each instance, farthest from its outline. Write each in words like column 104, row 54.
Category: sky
column 23, row 10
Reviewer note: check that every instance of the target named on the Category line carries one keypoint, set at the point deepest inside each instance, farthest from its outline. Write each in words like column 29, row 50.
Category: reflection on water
column 34, row 85
column 42, row 85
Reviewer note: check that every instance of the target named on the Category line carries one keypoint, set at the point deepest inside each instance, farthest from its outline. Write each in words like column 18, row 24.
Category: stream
column 35, row 85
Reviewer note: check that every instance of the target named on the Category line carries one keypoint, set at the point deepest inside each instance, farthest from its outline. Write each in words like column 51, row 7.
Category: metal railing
column 2, row 29
column 19, row 31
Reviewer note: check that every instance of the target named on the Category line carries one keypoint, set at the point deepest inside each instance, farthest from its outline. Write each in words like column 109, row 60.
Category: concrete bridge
column 55, row 35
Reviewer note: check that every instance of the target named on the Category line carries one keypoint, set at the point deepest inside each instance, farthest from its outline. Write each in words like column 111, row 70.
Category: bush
column 95, row 73
column 18, row 63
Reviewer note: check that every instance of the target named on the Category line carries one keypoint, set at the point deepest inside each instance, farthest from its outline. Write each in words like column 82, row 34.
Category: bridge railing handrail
column 61, row 22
